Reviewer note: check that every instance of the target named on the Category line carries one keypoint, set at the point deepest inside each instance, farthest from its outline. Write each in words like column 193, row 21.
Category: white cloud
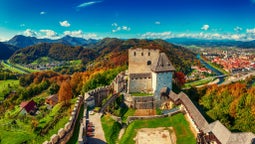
column 115, row 24
column 65, row 23
column 77, row 33
column 80, row 34
column 205, row 27
column 30, row 33
column 49, row 34
column 22, row 25
column 120, row 28
column 85, row 4
column 154, row 35
column 157, row 22
column 238, row 29
column 91, row 36
column 250, row 31
column 125, row 28
column 42, row 13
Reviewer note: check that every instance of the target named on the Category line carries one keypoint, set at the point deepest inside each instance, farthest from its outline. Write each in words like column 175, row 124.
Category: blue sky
column 206, row 19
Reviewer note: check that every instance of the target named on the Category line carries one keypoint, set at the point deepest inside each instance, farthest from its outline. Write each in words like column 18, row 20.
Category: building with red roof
column 28, row 107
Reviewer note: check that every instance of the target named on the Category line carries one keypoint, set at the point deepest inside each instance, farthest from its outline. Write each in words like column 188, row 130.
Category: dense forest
column 55, row 51
column 6, row 50
column 233, row 104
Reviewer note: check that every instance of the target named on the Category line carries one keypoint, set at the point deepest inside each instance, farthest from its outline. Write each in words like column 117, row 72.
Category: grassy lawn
column 130, row 112
column 75, row 62
column 22, row 68
column 15, row 136
column 111, row 129
column 12, row 68
column 141, row 94
column 199, row 82
column 178, row 122
column 42, row 60
column 51, row 120
column 5, row 84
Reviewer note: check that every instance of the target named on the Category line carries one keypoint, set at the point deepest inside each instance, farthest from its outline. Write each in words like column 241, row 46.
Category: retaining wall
column 132, row 118
column 96, row 96
column 82, row 133
column 64, row 134
column 141, row 102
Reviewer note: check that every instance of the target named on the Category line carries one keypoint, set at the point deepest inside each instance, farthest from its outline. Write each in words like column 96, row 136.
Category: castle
column 149, row 71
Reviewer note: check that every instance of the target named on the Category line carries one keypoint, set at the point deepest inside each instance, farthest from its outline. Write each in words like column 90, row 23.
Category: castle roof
column 163, row 64
column 226, row 137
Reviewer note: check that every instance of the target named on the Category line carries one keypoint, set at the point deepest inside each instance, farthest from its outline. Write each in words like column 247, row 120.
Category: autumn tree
column 65, row 92
column 179, row 79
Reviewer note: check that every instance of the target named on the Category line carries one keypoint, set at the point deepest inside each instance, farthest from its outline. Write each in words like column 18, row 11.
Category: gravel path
column 99, row 133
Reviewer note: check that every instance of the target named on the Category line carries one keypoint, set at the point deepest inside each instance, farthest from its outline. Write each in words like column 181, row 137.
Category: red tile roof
column 28, row 105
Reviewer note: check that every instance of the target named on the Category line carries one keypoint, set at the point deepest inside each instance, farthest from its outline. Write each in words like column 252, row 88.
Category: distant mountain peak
column 22, row 41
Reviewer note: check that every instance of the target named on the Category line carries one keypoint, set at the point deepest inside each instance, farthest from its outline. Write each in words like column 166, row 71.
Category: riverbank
column 222, row 71
column 199, row 82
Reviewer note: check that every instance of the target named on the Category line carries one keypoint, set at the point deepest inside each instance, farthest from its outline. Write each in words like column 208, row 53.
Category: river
column 217, row 72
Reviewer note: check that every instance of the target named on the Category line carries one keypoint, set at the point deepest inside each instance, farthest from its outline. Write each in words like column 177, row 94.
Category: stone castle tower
column 150, row 71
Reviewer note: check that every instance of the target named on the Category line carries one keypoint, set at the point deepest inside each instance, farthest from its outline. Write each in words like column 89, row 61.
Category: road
column 232, row 79
column 99, row 137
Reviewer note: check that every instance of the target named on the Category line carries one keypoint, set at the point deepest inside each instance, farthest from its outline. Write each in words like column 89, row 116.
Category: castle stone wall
column 140, row 85
column 138, row 59
column 64, row 134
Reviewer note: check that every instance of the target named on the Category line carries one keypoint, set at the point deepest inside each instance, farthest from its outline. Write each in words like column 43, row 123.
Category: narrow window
column 149, row 54
column 142, row 53
column 134, row 53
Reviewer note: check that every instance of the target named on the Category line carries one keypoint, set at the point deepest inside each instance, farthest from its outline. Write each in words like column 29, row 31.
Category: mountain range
column 23, row 41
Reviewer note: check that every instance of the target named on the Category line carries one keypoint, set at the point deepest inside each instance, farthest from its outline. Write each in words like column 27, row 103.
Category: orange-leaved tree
column 65, row 92
column 179, row 78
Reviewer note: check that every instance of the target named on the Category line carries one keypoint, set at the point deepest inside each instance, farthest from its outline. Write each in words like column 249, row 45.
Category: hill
column 57, row 52
column 6, row 50
column 114, row 51
column 109, row 52
column 23, row 41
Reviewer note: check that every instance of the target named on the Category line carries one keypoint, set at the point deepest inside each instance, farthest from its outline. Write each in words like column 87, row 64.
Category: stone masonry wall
column 138, row 58
column 132, row 118
column 140, row 85
column 64, row 134
column 96, row 96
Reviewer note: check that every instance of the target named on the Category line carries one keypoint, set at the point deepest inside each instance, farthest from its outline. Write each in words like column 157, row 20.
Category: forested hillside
column 109, row 52
column 233, row 104
column 55, row 51
column 6, row 50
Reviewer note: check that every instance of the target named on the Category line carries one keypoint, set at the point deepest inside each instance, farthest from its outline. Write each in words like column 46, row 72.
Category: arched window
column 134, row 53
column 149, row 62
column 142, row 54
